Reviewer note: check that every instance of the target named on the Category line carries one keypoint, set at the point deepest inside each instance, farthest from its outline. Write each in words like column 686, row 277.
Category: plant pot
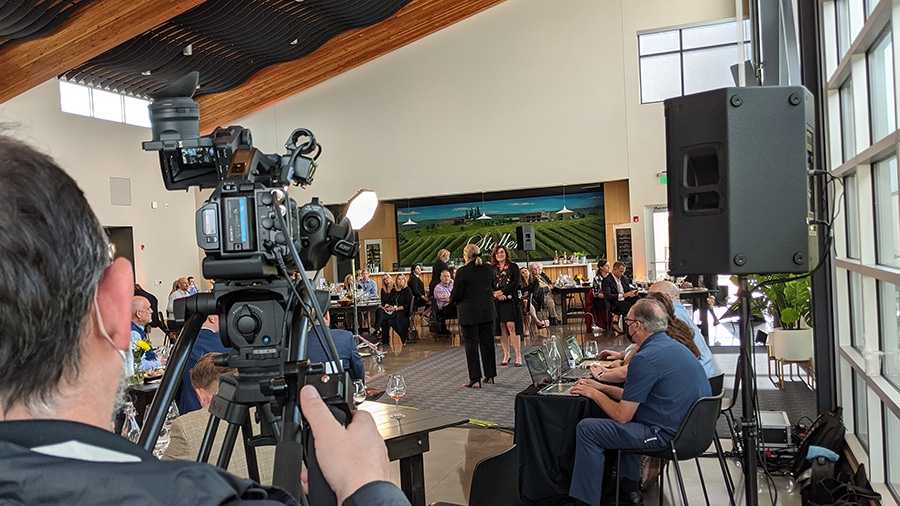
column 792, row 345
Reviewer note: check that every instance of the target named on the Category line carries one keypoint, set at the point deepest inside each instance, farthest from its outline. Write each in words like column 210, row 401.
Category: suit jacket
column 436, row 270
column 418, row 290
column 186, row 435
column 472, row 294
column 611, row 290
column 346, row 348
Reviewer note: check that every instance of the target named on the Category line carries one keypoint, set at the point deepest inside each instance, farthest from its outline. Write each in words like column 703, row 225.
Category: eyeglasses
column 631, row 320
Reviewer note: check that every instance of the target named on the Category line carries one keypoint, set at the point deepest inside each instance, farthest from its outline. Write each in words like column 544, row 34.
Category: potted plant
column 789, row 305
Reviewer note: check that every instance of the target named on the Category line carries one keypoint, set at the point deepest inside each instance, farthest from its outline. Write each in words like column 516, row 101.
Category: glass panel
column 881, row 88
column 891, row 455
column 857, row 334
column 843, row 26
column 709, row 35
column 661, row 42
column 851, row 206
column 660, row 77
column 860, row 410
column 887, row 213
column 74, row 99
column 889, row 304
column 107, row 105
column 870, row 6
column 708, row 69
column 136, row 112
column 848, row 133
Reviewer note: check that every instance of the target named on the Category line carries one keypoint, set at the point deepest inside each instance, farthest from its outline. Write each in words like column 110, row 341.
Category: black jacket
column 472, row 294
column 436, row 270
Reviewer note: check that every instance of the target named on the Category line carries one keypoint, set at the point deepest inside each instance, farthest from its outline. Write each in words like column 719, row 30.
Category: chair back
column 495, row 480
column 698, row 428
column 717, row 384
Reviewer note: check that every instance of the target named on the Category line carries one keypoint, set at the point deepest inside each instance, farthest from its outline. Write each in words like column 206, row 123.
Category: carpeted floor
column 434, row 384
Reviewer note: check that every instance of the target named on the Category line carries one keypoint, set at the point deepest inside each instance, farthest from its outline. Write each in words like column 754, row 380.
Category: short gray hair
column 650, row 313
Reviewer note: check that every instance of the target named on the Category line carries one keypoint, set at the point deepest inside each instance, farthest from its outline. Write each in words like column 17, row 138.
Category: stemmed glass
column 359, row 392
column 396, row 389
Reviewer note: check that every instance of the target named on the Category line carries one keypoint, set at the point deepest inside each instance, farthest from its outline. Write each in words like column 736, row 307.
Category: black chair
column 717, row 387
column 495, row 481
column 697, row 431
column 435, row 322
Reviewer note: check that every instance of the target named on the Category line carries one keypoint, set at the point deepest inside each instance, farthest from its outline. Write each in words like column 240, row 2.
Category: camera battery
column 775, row 430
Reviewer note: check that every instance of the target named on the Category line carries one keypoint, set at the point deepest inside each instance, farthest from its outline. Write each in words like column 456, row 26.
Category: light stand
column 749, row 422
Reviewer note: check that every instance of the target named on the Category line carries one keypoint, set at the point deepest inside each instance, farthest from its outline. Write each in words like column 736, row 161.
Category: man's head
column 60, row 332
column 205, row 378
column 445, row 277
column 212, row 323
column 618, row 269
column 141, row 312
column 535, row 269
column 667, row 288
column 364, row 274
column 183, row 284
column 644, row 319
column 190, row 280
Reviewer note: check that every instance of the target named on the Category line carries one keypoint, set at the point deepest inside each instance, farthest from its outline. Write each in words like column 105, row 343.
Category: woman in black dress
column 506, row 300
column 472, row 294
column 399, row 301
column 417, row 287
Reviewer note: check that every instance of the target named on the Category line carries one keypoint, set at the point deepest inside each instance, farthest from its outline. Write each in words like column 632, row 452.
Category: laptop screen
column 537, row 367
column 575, row 349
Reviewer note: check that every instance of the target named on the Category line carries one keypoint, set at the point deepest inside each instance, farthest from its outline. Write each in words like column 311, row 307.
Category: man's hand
column 349, row 457
column 610, row 355
column 584, row 388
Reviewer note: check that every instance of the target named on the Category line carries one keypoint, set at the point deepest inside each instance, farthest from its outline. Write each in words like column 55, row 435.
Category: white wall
column 529, row 93
column 92, row 151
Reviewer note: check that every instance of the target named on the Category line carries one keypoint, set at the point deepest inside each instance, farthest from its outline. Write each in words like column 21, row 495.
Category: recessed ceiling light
column 145, row 73
column 295, row 42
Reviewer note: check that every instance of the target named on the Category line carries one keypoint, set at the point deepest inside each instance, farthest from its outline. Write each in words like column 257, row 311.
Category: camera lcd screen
column 198, row 156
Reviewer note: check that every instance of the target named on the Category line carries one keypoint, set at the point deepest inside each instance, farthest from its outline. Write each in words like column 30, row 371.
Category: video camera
column 256, row 238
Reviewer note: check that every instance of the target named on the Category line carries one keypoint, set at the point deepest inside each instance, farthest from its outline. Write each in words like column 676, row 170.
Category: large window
column 880, row 60
column 860, row 410
column 889, row 298
column 848, row 135
column 892, row 458
column 689, row 60
column 86, row 101
column 851, row 212
column 887, row 212
column 857, row 307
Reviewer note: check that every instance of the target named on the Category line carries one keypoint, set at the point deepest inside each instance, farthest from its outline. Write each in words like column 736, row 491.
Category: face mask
column 628, row 332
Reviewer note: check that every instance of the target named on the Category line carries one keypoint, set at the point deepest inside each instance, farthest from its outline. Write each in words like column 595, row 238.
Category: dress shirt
column 369, row 288
column 442, row 294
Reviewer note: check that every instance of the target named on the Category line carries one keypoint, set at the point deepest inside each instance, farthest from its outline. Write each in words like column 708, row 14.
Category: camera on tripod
column 255, row 237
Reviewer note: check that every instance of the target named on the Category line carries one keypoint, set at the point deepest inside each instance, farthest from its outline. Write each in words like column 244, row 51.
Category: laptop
column 580, row 360
column 540, row 376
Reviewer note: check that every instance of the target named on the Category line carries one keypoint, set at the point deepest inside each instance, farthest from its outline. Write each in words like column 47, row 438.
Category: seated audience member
column 396, row 311
column 549, row 303
column 532, row 296
column 208, row 341
column 346, row 348
column 192, row 286
column 154, row 305
column 618, row 291
column 368, row 286
column 664, row 380
column 180, row 289
column 349, row 283
column 62, row 371
column 417, row 287
column 668, row 289
column 387, row 287
column 186, row 432
column 595, row 304
column 445, row 308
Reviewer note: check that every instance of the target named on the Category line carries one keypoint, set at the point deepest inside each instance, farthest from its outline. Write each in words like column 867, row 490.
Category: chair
column 495, row 481
column 434, row 322
column 697, row 431
column 717, row 387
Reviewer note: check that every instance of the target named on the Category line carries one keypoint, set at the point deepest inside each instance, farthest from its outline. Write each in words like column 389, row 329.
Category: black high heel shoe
column 489, row 380
column 472, row 384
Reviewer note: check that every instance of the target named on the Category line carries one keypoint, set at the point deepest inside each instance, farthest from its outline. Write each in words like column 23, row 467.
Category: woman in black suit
column 438, row 267
column 472, row 294
column 506, row 298
column 417, row 287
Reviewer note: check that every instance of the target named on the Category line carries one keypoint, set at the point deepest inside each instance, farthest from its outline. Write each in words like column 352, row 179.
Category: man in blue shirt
column 208, row 341
column 368, row 286
column 346, row 348
column 671, row 291
column 141, row 314
column 664, row 379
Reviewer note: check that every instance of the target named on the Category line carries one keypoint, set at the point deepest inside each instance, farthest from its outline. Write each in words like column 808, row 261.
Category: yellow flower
column 143, row 345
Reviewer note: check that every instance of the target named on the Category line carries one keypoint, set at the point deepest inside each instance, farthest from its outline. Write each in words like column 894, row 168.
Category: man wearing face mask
column 664, row 379
column 62, row 370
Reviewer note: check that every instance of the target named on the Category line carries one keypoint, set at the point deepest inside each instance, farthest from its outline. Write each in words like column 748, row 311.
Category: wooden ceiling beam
column 90, row 32
column 418, row 19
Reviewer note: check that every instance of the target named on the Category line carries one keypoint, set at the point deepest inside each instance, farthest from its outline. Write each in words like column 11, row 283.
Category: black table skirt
column 545, row 435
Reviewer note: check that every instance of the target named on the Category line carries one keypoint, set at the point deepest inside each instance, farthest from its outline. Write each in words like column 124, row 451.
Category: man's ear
column 203, row 396
column 114, row 294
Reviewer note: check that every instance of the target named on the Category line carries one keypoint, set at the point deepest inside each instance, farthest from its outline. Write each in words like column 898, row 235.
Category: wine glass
column 591, row 349
column 396, row 389
column 359, row 392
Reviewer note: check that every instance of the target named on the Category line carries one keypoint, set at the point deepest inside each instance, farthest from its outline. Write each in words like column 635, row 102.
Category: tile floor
column 455, row 451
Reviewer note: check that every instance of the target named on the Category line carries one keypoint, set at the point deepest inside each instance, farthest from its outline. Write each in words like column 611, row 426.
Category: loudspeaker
column 737, row 161
column 525, row 238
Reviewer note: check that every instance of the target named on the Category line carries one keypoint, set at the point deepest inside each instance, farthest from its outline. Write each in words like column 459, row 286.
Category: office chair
column 697, row 431
column 495, row 481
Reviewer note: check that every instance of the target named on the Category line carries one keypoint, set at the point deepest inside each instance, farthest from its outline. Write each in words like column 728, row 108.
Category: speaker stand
column 748, row 396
